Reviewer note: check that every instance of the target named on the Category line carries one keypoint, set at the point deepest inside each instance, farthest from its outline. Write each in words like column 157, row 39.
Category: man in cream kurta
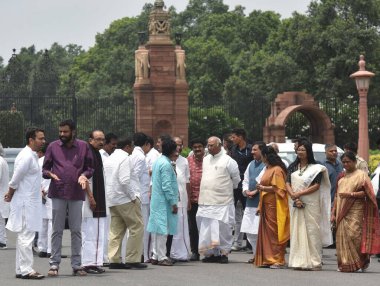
column 24, row 193
column 216, row 212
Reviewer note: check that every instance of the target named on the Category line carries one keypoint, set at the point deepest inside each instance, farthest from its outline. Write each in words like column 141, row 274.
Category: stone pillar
column 161, row 101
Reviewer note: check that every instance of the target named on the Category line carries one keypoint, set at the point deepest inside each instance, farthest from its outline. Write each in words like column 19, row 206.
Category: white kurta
column 4, row 180
column 26, row 180
column 181, row 241
column 216, row 211
column 47, row 208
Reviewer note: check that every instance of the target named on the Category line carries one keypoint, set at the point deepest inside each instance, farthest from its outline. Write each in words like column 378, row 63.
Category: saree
column 357, row 222
column 273, row 233
column 310, row 226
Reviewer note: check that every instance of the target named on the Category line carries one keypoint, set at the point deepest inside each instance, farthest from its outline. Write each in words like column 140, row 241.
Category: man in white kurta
column 94, row 211
column 140, row 171
column 125, row 209
column 109, row 147
column 24, row 194
column 44, row 235
column 4, row 206
column 216, row 212
column 180, row 248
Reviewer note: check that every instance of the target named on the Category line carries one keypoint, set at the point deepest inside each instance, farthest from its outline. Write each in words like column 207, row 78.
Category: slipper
column 33, row 275
column 53, row 272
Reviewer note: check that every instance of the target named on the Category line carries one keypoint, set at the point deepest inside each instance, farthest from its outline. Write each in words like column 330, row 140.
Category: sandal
column 79, row 272
column 165, row 262
column 277, row 266
column 251, row 261
column 33, row 275
column 53, row 272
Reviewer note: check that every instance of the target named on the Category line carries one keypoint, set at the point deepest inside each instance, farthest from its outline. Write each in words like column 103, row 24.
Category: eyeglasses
column 99, row 139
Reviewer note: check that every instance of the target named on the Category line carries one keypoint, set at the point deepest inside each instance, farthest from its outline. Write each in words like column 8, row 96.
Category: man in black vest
column 241, row 153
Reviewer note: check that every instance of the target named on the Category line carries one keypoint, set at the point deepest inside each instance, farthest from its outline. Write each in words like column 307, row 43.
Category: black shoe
column 223, row 259
column 136, row 265
column 3, row 245
column 211, row 259
column 63, row 256
column 118, row 266
column 194, row 257
column 43, row 254
column 94, row 270
column 18, row 276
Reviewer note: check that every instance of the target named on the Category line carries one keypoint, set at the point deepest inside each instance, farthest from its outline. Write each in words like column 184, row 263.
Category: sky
column 42, row 22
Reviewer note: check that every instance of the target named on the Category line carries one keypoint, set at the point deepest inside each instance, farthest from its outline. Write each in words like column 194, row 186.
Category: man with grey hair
column 334, row 166
column 216, row 211
column 4, row 206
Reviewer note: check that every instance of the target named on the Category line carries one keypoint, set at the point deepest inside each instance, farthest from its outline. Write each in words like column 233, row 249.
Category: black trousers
column 193, row 228
column 238, row 196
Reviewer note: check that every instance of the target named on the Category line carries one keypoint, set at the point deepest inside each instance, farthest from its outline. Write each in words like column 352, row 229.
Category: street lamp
column 362, row 79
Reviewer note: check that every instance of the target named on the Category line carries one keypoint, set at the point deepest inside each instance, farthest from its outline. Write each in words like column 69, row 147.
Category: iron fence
column 116, row 115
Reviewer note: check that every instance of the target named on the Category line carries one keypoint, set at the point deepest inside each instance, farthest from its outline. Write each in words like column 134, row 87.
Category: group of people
column 127, row 203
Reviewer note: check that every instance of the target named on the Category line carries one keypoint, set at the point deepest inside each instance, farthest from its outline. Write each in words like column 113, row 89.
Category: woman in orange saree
column 356, row 218
column 273, row 233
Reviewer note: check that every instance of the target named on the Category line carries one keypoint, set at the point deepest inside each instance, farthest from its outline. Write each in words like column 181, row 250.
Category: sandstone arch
column 322, row 130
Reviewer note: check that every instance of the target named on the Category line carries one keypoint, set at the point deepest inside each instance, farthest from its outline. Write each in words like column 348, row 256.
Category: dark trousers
column 193, row 228
column 238, row 196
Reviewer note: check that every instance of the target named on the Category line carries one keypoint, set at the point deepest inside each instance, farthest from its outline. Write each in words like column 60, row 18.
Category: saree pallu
column 273, row 233
column 310, row 226
column 357, row 234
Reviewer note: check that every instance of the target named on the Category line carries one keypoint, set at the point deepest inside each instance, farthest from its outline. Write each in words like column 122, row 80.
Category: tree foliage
column 236, row 59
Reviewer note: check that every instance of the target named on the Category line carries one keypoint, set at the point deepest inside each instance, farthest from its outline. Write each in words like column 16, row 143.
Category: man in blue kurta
column 250, row 222
column 163, row 205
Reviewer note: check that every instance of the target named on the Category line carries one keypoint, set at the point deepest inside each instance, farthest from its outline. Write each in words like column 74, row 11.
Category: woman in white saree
column 308, row 186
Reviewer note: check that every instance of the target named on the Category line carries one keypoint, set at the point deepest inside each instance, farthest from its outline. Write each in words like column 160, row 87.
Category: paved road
column 237, row 272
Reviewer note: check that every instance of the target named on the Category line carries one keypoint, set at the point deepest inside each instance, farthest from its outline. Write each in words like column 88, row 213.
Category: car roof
column 317, row 147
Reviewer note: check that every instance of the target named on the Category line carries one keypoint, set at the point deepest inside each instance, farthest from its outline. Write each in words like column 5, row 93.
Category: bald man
column 216, row 211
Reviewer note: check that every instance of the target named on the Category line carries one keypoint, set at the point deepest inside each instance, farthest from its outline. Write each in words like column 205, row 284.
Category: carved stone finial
column 13, row 108
column 361, row 63
column 159, row 4
column 159, row 23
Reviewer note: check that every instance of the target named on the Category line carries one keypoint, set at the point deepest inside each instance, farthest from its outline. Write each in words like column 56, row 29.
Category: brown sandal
column 33, row 275
column 53, row 272
column 165, row 262
column 79, row 272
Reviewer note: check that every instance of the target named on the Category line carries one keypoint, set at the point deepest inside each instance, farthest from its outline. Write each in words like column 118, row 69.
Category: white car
column 10, row 156
column 287, row 153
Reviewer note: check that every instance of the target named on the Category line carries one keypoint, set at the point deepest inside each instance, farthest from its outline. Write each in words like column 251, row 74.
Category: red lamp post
column 362, row 79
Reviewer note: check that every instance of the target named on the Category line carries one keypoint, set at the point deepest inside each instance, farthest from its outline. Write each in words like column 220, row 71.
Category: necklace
column 300, row 169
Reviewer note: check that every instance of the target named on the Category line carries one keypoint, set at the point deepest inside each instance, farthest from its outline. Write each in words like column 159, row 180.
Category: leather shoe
column 223, row 259
column 136, row 265
column 118, row 266
column 194, row 257
column 211, row 259
column 43, row 254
